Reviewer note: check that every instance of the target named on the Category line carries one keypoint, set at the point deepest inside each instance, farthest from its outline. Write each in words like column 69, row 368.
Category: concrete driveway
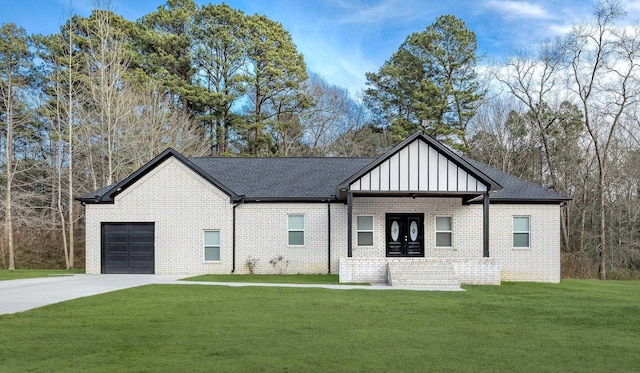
column 26, row 294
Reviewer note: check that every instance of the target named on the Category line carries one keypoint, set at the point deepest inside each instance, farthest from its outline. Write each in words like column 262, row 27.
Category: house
column 419, row 214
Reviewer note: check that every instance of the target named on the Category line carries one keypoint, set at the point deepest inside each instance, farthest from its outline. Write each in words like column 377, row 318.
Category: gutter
column 290, row 199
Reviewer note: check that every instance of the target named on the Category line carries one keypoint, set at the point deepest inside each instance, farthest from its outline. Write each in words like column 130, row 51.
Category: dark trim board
column 127, row 248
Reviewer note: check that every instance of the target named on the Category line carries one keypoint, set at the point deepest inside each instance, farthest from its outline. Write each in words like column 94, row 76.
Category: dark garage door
column 127, row 247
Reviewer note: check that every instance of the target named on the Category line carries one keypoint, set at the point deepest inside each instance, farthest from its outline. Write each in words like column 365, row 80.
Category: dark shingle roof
column 281, row 177
column 516, row 189
column 305, row 179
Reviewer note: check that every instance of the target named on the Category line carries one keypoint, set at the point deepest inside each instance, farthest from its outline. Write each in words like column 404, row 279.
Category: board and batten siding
column 421, row 168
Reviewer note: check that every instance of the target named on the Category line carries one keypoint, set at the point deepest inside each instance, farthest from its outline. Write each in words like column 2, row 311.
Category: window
column 444, row 231
column 365, row 230
column 296, row 230
column 211, row 246
column 521, row 231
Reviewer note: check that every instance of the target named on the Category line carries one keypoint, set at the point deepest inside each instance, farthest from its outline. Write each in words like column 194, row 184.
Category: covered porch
column 418, row 215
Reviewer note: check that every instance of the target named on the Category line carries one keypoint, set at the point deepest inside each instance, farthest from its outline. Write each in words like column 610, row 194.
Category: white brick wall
column 263, row 234
column 540, row 262
column 481, row 271
column 182, row 205
column 467, row 224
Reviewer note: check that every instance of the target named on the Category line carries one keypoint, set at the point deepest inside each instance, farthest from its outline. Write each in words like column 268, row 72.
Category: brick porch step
column 437, row 273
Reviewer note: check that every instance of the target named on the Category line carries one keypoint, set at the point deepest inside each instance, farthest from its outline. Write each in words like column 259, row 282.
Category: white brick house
column 417, row 215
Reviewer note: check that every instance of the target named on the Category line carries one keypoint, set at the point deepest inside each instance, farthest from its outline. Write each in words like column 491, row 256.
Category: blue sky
column 343, row 39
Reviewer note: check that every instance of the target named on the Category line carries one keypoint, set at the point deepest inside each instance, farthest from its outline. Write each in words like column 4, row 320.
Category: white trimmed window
column 444, row 231
column 521, row 231
column 212, row 246
column 365, row 230
column 296, row 230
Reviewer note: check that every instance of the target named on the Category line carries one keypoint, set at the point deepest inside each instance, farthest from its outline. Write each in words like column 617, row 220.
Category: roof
column 108, row 193
column 515, row 189
column 281, row 178
column 317, row 179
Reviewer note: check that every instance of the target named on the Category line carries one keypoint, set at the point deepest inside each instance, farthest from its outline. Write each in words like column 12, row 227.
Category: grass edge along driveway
column 17, row 274
column 576, row 326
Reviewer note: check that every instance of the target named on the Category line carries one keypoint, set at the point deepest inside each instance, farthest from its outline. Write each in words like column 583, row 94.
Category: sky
column 341, row 40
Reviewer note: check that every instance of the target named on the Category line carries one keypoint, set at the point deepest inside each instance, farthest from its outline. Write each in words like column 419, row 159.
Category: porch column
column 485, row 224
column 349, row 222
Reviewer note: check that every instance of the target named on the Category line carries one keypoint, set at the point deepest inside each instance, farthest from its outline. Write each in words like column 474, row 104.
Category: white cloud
column 340, row 62
column 519, row 9
column 560, row 29
column 379, row 12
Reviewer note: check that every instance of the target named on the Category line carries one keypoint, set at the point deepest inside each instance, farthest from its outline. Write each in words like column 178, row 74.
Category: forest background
column 83, row 108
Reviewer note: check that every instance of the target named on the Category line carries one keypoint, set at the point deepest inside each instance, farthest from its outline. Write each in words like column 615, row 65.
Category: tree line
column 83, row 108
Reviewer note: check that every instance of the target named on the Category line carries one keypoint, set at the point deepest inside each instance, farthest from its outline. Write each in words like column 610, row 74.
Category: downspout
column 233, row 244
column 329, row 236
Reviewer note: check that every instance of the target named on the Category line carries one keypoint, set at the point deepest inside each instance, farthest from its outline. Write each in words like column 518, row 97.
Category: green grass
column 577, row 326
column 278, row 279
column 5, row 274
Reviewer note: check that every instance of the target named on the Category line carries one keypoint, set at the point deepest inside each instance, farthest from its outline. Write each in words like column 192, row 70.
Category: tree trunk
column 602, row 270
column 8, row 225
column 70, row 161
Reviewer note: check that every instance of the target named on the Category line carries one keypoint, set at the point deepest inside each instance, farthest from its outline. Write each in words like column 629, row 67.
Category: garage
column 128, row 248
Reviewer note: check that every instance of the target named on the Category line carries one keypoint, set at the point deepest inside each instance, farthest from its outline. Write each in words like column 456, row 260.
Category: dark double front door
column 405, row 235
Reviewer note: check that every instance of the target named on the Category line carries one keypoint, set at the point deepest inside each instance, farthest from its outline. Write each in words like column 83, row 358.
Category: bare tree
column 153, row 126
column 330, row 115
column 103, row 110
column 15, row 58
column 604, row 72
column 59, row 53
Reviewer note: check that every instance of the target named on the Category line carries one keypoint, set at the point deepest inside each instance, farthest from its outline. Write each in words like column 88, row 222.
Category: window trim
column 435, row 225
column 205, row 246
column 372, row 230
column 289, row 229
column 514, row 231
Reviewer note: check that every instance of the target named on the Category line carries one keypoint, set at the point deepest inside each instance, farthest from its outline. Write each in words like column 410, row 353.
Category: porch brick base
column 483, row 271
column 422, row 273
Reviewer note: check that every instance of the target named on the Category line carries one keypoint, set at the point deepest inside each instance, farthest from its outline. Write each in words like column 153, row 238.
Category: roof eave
column 525, row 201
column 291, row 199
column 109, row 195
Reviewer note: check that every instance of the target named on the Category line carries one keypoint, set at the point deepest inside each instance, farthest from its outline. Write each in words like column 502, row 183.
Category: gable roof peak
column 432, row 143
column 107, row 194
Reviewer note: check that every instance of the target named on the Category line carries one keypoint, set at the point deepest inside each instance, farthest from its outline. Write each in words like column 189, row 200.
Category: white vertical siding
column 414, row 162
column 421, row 168
column 433, row 169
column 462, row 179
column 384, row 170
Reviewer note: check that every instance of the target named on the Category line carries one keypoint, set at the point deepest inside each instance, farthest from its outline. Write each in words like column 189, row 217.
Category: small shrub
column 251, row 264
column 578, row 265
column 280, row 264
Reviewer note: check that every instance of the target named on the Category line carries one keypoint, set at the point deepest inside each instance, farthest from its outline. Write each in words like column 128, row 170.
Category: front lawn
column 278, row 279
column 577, row 326
column 5, row 274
